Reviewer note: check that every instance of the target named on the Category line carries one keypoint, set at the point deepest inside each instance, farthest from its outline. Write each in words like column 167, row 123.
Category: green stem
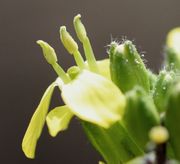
column 61, row 73
column 79, row 60
column 90, row 55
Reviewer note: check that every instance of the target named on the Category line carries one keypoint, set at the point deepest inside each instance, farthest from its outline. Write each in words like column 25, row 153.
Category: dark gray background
column 24, row 75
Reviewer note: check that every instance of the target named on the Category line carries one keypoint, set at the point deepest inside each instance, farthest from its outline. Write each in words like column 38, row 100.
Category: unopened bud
column 164, row 81
column 159, row 134
column 140, row 115
column 172, row 117
column 127, row 68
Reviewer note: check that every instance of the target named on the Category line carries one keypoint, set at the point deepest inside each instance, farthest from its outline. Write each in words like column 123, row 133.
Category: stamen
column 71, row 47
column 82, row 35
column 50, row 56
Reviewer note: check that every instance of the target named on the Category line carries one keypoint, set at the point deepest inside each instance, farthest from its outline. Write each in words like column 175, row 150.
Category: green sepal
column 172, row 118
column 164, row 81
column 140, row 115
column 114, row 144
column 127, row 68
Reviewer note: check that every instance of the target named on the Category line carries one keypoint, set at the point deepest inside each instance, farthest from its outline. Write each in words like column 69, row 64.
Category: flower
column 86, row 90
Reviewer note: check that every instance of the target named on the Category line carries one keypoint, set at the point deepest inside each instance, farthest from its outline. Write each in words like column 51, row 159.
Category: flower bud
column 173, row 49
column 172, row 117
column 140, row 115
column 164, row 81
column 127, row 68
column 159, row 134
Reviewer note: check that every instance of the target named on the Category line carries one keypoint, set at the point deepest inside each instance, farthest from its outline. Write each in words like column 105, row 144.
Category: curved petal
column 58, row 119
column 94, row 98
column 36, row 124
column 104, row 68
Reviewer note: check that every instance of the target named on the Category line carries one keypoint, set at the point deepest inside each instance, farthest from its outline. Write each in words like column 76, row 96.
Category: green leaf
column 36, row 124
column 58, row 119
column 94, row 98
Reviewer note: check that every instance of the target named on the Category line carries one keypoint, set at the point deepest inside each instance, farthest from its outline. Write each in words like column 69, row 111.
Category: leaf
column 58, row 119
column 94, row 98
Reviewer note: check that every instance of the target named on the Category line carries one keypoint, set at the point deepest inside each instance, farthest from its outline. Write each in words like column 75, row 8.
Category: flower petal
column 94, row 98
column 104, row 68
column 58, row 119
column 36, row 124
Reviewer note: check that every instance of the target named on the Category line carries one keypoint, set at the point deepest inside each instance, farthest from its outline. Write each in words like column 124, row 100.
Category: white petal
column 94, row 98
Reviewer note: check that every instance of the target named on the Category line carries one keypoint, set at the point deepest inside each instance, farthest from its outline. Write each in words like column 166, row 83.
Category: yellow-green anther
column 82, row 35
column 71, row 46
column 159, row 134
column 68, row 41
column 80, row 29
column 48, row 52
column 50, row 56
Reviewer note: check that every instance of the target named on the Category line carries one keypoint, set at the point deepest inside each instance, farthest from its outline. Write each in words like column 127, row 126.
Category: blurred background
column 24, row 74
